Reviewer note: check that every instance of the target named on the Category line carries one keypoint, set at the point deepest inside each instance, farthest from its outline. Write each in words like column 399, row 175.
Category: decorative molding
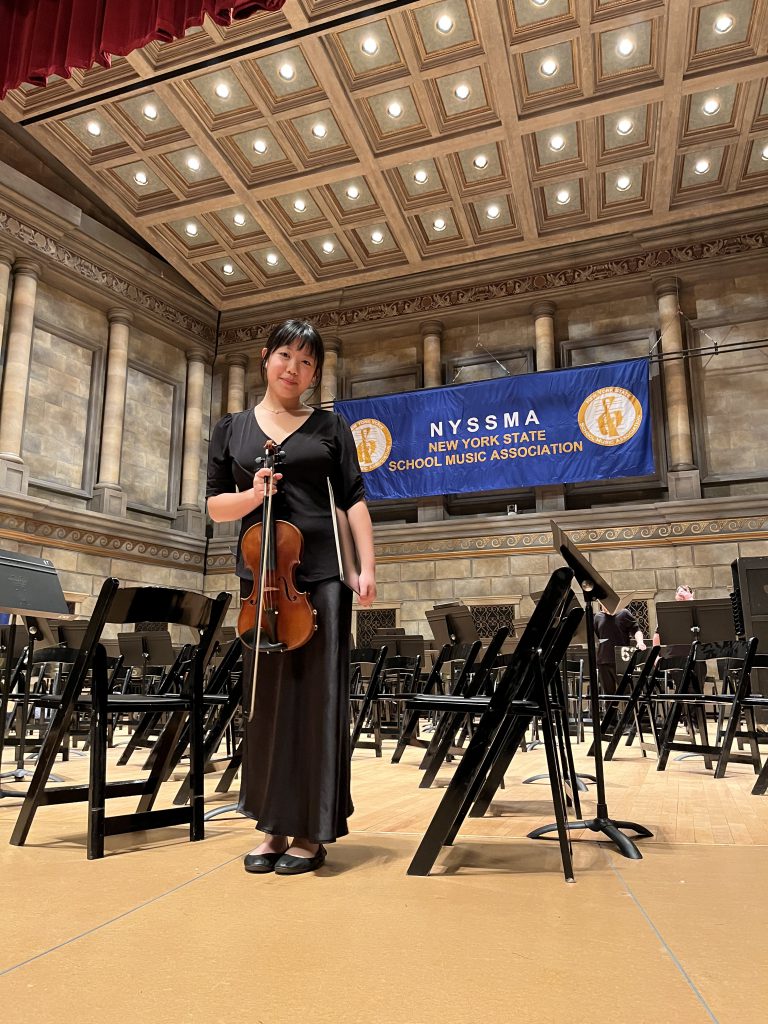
column 545, row 281
column 99, row 276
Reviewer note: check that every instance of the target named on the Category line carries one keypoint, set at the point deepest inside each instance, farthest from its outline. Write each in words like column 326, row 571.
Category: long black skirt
column 296, row 772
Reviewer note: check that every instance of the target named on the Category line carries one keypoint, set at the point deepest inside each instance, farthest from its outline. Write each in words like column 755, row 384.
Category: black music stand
column 681, row 622
column 594, row 588
column 30, row 589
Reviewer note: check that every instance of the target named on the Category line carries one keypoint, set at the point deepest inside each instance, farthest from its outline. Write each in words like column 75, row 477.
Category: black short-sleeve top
column 321, row 448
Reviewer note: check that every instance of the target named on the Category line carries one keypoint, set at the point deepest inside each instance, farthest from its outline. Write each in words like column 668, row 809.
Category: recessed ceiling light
column 625, row 126
column 319, row 130
column 420, row 176
column 287, row 72
column 273, row 259
column 461, row 92
column 623, row 182
column 480, row 161
column 444, row 24
column 377, row 237
column 328, row 247
column 723, row 23
column 493, row 212
column 260, row 145
column 193, row 163
column 149, row 110
column 369, row 46
column 239, row 219
column 764, row 154
column 548, row 67
column 140, row 177
column 563, row 197
column 556, row 143
column 540, row 3
column 395, row 109
column 299, row 205
column 93, row 128
column 438, row 224
column 702, row 166
column 625, row 46
column 228, row 269
column 191, row 229
column 353, row 192
column 222, row 91
column 711, row 106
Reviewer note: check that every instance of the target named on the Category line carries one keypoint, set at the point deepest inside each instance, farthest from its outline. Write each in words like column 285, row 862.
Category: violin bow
column 266, row 520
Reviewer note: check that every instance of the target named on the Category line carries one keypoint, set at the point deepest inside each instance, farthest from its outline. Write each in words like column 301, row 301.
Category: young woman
column 295, row 774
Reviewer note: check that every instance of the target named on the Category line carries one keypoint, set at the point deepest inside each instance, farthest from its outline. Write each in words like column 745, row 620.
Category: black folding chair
column 525, row 672
column 364, row 691
column 118, row 604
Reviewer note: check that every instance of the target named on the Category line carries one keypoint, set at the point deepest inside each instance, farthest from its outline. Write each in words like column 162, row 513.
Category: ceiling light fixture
column 548, row 67
column 273, row 259
column 239, row 219
column 556, row 143
column 140, row 177
column 461, row 92
column 480, row 161
column 625, row 46
column 328, row 248
column 299, row 205
column 287, row 72
column 623, row 182
column 193, row 163
column 369, row 46
column 764, row 154
column 420, row 176
column 377, row 237
column 438, row 224
column 702, row 166
column 149, row 110
column 711, row 106
column 723, row 23
column 625, row 126
column 260, row 146
column 222, row 91
column 353, row 192
column 228, row 269
column 93, row 128
column 563, row 197
column 444, row 24
column 191, row 229
column 319, row 130
column 395, row 109
column 540, row 3
column 493, row 212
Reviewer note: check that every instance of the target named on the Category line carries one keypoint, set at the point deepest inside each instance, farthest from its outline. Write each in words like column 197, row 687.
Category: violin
column 276, row 616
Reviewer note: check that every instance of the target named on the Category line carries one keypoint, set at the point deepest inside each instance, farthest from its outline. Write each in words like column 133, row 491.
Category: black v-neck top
column 321, row 448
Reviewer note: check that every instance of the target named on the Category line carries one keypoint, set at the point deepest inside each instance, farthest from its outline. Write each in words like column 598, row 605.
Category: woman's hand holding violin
column 264, row 484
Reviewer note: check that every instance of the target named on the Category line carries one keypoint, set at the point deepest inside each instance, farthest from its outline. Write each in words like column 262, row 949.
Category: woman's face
column 290, row 371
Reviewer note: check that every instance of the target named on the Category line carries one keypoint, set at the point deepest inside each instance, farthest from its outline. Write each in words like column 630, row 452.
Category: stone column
column 432, row 509
column 432, row 335
column 544, row 331
column 18, row 352
column 190, row 517
column 551, row 497
column 683, row 478
column 329, row 384
column 6, row 262
column 236, row 369
column 108, row 495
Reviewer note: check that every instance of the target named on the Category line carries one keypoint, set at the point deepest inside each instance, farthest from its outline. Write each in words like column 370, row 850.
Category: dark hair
column 306, row 337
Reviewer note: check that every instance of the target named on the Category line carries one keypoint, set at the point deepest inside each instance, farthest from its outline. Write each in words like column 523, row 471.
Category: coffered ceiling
column 339, row 142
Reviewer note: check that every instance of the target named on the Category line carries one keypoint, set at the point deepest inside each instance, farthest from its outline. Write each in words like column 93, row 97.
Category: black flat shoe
column 290, row 865
column 261, row 863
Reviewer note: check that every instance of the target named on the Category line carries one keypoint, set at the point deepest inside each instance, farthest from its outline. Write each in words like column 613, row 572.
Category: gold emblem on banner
column 373, row 441
column 610, row 416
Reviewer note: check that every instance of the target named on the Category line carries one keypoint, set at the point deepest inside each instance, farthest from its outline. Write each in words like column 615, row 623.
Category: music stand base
column 609, row 828
column 579, row 781
column 218, row 811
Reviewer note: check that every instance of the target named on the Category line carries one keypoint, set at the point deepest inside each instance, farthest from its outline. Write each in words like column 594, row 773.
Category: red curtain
column 39, row 38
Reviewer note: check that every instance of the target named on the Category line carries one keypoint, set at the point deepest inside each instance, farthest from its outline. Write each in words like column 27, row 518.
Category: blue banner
column 564, row 426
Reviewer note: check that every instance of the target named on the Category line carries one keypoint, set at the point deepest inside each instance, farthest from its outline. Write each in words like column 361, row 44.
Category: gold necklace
column 279, row 412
